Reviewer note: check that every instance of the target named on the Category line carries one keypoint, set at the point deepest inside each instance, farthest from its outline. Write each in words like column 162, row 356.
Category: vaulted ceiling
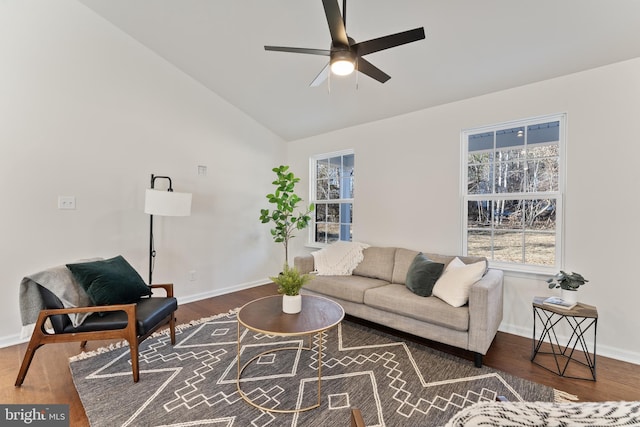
column 472, row 47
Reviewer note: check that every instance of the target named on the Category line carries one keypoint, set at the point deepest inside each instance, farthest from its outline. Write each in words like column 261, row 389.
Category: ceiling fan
column 345, row 55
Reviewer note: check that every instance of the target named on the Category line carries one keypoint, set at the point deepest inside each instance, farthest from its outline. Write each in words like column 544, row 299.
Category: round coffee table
column 265, row 315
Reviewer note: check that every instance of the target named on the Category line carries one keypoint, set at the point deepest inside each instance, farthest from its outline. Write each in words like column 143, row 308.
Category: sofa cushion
column 455, row 283
column 377, row 263
column 403, row 260
column 349, row 288
column 422, row 275
column 398, row 299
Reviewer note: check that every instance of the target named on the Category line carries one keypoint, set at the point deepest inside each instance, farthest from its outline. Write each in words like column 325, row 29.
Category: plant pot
column 291, row 304
column 569, row 296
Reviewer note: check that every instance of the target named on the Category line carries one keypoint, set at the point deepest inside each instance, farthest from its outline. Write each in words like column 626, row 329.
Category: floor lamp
column 163, row 203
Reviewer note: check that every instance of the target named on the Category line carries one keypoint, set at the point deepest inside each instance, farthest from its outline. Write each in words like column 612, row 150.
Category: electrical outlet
column 66, row 202
column 192, row 276
column 202, row 170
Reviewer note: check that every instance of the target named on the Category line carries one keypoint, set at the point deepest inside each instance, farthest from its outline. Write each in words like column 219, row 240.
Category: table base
column 285, row 411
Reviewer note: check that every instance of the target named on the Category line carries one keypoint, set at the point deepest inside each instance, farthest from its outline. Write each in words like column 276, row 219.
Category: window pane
column 479, row 243
column 541, row 248
column 321, row 212
column 509, row 177
column 321, row 233
column 510, row 137
column 481, row 141
column 333, row 231
column 543, row 132
column 322, row 189
column 479, row 179
column 333, row 212
column 540, row 214
column 345, row 232
column 508, row 246
column 542, row 175
column 508, row 214
column 346, row 213
column 478, row 213
column 322, row 169
column 543, row 151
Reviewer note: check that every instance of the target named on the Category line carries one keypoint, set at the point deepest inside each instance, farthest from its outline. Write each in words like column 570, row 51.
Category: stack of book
column 559, row 303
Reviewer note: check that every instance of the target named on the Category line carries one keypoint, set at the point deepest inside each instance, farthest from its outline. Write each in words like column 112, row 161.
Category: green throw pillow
column 110, row 281
column 422, row 275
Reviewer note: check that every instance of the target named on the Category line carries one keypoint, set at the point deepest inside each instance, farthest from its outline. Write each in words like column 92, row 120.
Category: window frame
column 313, row 163
column 558, row 195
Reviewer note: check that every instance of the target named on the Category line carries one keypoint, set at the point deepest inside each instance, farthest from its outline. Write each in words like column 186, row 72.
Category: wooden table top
column 580, row 310
column 266, row 315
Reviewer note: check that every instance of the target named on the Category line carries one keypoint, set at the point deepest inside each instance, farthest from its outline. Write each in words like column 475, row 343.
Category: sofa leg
column 477, row 360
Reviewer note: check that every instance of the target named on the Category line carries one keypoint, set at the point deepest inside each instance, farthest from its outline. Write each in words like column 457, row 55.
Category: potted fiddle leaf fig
column 569, row 283
column 287, row 218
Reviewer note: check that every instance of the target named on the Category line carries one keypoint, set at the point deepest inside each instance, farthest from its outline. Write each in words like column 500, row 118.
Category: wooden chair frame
column 356, row 418
column 40, row 336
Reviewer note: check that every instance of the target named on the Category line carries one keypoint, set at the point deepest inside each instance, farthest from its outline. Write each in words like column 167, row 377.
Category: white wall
column 86, row 111
column 407, row 188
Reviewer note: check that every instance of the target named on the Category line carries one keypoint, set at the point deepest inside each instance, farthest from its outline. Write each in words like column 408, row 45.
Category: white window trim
column 311, row 243
column 559, row 195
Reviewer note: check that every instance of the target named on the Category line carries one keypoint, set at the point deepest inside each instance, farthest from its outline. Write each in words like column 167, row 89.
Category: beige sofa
column 376, row 291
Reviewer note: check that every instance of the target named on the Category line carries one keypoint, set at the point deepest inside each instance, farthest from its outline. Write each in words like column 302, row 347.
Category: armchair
column 131, row 322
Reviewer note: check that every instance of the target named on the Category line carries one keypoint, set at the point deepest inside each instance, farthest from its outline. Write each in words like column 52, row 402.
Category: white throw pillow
column 455, row 283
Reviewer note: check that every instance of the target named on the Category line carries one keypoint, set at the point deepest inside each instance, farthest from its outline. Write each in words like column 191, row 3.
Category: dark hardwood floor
column 49, row 380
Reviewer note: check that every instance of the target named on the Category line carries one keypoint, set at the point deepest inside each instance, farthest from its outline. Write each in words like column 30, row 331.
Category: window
column 513, row 193
column 332, row 192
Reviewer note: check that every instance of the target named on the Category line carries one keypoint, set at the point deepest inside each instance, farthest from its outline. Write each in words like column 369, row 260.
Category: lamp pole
column 152, row 250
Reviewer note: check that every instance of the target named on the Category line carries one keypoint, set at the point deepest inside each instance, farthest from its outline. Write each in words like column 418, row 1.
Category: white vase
column 569, row 296
column 291, row 304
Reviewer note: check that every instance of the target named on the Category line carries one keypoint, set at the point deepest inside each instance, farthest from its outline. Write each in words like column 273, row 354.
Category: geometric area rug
column 393, row 382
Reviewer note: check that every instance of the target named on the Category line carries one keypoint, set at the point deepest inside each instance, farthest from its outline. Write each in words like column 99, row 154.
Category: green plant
column 283, row 215
column 570, row 282
column 290, row 280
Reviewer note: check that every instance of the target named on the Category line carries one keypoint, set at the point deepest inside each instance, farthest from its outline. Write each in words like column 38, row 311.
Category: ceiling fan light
column 342, row 63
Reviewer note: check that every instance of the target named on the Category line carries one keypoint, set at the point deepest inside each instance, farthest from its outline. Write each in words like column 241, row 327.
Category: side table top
column 266, row 315
column 580, row 310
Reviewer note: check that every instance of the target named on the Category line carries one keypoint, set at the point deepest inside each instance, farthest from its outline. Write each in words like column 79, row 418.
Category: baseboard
column 221, row 291
column 602, row 350
column 10, row 340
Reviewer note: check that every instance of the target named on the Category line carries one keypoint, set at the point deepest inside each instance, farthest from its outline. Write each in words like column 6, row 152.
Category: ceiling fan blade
column 372, row 71
column 386, row 42
column 336, row 24
column 321, row 77
column 324, row 52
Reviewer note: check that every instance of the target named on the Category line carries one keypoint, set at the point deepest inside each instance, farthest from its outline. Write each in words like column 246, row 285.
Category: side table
column 574, row 355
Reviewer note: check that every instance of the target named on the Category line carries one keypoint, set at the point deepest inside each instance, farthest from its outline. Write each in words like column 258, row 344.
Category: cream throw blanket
column 339, row 258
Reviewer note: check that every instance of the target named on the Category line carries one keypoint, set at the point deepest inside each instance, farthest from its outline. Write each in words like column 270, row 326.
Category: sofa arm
column 485, row 310
column 304, row 264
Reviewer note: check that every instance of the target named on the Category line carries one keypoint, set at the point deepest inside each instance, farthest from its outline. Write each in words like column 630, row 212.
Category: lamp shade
column 167, row 203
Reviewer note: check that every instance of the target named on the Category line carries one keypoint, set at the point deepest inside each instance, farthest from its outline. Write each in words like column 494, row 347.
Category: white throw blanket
column 339, row 258
column 60, row 281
